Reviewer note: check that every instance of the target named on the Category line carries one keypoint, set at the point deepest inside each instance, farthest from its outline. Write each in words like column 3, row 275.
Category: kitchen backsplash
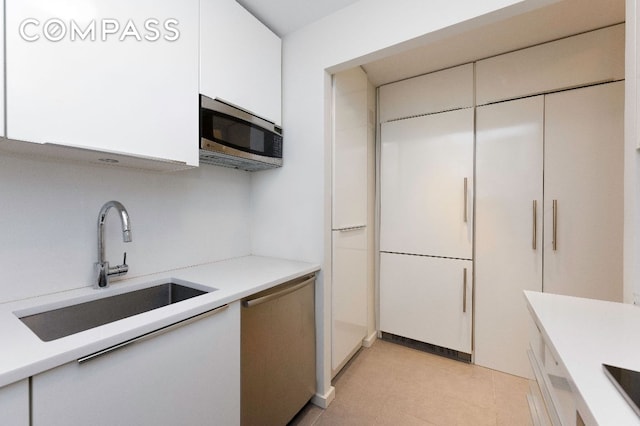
column 49, row 211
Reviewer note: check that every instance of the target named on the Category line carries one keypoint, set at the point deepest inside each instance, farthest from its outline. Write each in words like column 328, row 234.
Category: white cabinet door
column 425, row 163
column 186, row 376
column 349, row 295
column 350, row 148
column 14, row 404
column 128, row 86
column 592, row 57
column 584, row 175
column 508, row 255
column 240, row 59
column 427, row 299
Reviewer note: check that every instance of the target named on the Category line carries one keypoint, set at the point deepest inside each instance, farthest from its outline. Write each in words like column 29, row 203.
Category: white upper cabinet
column 105, row 75
column 593, row 57
column 426, row 185
column 240, row 59
column 425, row 95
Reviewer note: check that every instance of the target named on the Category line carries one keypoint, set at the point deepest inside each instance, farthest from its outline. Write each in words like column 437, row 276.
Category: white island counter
column 579, row 335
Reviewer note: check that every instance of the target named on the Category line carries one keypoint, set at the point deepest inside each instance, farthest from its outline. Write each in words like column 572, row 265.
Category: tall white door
column 426, row 184
column 508, row 256
column 583, row 181
column 427, row 299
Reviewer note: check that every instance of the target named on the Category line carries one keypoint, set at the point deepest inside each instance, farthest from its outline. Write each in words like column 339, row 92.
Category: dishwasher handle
column 248, row 303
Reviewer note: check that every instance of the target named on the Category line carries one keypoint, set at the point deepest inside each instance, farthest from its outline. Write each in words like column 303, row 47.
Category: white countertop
column 584, row 334
column 23, row 354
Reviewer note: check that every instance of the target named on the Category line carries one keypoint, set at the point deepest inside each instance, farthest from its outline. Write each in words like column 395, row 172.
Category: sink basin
column 57, row 323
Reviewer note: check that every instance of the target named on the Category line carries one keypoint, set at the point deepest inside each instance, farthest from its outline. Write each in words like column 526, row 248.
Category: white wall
column 291, row 206
column 49, row 211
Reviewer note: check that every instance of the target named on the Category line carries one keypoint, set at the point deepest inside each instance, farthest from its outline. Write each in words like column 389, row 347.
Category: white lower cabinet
column 555, row 400
column 427, row 299
column 189, row 375
column 349, row 298
column 14, row 404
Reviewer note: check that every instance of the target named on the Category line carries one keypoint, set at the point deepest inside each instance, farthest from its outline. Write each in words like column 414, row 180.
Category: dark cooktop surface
column 627, row 382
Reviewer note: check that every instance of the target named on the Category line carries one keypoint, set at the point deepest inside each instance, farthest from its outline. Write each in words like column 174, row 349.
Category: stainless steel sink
column 57, row 323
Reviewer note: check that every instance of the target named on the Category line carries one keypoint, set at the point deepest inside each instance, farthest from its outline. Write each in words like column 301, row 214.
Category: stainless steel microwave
column 232, row 137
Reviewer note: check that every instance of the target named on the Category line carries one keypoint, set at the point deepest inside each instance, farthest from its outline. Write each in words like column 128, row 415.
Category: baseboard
column 369, row 341
column 323, row 401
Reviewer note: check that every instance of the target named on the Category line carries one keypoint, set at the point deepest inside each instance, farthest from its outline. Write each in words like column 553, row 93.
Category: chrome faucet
column 103, row 270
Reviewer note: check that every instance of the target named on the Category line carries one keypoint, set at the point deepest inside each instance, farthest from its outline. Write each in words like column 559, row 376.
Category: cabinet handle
column 464, row 291
column 465, row 200
column 295, row 286
column 555, row 225
column 350, row 228
column 152, row 334
column 535, row 224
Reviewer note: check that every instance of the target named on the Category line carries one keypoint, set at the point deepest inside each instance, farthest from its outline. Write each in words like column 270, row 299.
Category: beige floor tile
column 511, row 400
column 389, row 384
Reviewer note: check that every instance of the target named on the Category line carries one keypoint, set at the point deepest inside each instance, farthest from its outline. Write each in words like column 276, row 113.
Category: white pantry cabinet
column 352, row 123
column 352, row 202
column 14, row 404
column 578, row 221
column 583, row 192
column 427, row 299
column 508, row 256
column 426, row 185
column 240, row 59
column 104, row 75
column 189, row 375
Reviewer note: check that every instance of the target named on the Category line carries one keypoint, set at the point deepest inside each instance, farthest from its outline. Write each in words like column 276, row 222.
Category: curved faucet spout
column 102, row 266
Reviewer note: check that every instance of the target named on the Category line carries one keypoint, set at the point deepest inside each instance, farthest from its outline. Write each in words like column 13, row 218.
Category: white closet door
column 349, row 295
column 584, row 173
column 508, row 256
column 427, row 299
column 424, row 166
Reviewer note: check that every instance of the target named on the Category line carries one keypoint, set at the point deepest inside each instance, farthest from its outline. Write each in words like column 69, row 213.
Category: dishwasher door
column 278, row 353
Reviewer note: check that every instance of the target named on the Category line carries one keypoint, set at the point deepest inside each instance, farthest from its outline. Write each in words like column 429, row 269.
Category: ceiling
column 286, row 16
column 561, row 19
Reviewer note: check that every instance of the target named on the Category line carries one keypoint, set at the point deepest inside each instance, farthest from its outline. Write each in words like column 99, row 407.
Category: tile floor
column 389, row 384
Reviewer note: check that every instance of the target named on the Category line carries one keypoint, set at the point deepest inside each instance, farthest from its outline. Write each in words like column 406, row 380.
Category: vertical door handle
column 464, row 290
column 555, row 225
column 465, row 200
column 535, row 224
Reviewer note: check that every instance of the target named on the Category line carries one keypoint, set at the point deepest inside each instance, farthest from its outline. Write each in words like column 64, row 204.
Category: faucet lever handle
column 124, row 261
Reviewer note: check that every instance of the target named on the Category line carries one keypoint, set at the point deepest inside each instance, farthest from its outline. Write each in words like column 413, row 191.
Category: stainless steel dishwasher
column 278, row 352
